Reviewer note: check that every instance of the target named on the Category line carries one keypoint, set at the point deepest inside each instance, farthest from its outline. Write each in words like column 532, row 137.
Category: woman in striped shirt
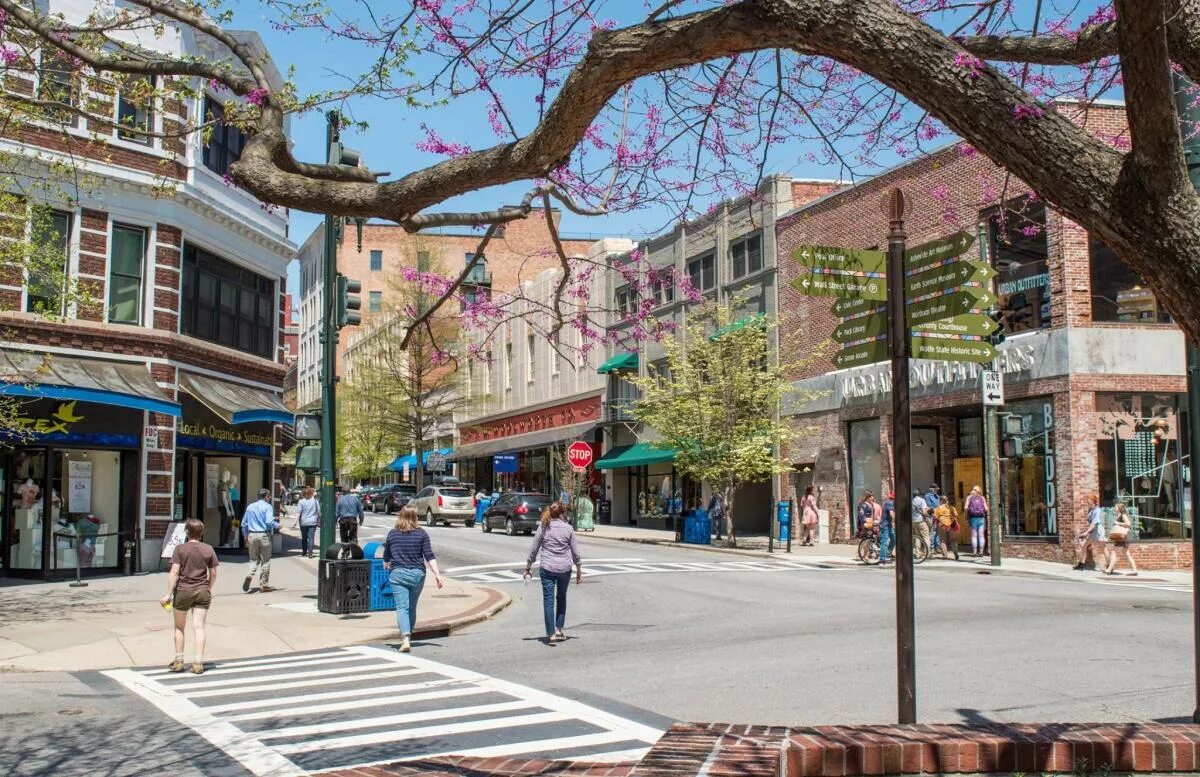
column 407, row 552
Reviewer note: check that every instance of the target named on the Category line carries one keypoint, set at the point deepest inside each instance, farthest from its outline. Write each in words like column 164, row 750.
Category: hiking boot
column 175, row 666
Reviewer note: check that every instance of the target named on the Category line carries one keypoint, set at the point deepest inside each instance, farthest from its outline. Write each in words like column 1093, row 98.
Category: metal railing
column 616, row 410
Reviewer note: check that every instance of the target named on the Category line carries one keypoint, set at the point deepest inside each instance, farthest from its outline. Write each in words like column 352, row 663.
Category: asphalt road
column 665, row 633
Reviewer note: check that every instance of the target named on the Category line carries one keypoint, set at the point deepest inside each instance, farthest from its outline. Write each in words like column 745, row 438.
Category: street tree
column 604, row 111
column 717, row 403
column 368, row 437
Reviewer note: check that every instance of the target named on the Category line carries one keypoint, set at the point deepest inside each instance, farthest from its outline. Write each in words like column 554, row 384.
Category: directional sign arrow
column 855, row 307
column 863, row 353
column 994, row 397
column 854, row 286
column 952, row 349
column 834, row 258
column 926, row 254
column 948, row 305
column 947, row 276
column 861, row 328
column 973, row 324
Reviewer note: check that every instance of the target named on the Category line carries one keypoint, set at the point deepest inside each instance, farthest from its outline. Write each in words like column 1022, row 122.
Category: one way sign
column 993, row 387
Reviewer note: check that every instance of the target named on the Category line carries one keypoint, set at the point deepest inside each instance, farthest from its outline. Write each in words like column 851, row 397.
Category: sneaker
column 560, row 636
column 405, row 645
column 175, row 666
column 198, row 668
column 1078, row 566
column 246, row 585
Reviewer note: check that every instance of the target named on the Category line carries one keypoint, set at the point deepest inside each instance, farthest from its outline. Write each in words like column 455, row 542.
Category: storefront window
column 26, row 489
column 659, row 496
column 1118, row 293
column 1028, row 469
column 85, row 508
column 866, row 460
column 970, row 438
column 1142, row 462
column 1017, row 249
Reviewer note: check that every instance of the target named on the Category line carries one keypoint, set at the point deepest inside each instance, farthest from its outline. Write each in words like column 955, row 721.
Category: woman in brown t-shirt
column 189, row 587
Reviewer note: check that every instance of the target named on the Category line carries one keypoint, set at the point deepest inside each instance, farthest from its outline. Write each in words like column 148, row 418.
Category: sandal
column 175, row 666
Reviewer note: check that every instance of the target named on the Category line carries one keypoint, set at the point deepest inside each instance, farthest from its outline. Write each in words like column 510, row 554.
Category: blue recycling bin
column 381, row 597
column 481, row 507
column 697, row 528
column 783, row 513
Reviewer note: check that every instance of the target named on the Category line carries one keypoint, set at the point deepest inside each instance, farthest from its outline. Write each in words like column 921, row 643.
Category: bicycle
column 868, row 549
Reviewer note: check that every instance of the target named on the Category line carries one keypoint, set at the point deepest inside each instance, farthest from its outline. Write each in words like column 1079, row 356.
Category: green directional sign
column 848, row 259
column 861, row 328
column 939, row 250
column 863, row 353
column 970, row 324
column 952, row 349
column 855, row 307
column 947, row 276
column 856, row 286
column 948, row 305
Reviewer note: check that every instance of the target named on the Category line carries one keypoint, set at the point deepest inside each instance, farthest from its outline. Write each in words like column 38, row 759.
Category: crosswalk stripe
column 392, row 691
column 221, row 670
column 240, row 663
column 365, row 669
column 537, row 746
column 381, row 737
column 300, row 684
column 397, row 720
column 357, row 704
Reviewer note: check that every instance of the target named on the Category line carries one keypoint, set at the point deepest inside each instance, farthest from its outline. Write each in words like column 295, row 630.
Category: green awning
column 635, row 456
column 622, row 361
column 758, row 319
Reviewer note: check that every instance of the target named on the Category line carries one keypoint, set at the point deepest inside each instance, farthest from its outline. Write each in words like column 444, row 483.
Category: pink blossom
column 1031, row 230
column 966, row 150
column 433, row 144
column 1022, row 112
column 972, row 65
column 10, row 56
column 257, row 96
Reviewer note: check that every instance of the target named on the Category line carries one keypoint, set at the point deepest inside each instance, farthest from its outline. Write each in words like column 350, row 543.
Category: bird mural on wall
column 66, row 413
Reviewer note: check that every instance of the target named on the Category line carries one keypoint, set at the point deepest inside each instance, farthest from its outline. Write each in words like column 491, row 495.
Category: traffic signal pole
column 328, row 340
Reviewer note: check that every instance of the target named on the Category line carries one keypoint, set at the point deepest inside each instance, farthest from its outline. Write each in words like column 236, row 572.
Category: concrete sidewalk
column 117, row 621
column 842, row 554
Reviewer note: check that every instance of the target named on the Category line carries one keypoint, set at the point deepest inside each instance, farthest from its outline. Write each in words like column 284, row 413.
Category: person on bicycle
column 865, row 514
column 887, row 523
column 920, row 508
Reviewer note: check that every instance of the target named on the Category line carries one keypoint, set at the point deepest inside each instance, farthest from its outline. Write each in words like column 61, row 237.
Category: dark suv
column 392, row 497
column 516, row 511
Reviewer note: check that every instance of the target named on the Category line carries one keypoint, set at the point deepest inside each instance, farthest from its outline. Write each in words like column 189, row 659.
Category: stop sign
column 579, row 454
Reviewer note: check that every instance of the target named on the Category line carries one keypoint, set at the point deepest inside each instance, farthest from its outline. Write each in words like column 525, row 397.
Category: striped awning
column 49, row 376
column 235, row 403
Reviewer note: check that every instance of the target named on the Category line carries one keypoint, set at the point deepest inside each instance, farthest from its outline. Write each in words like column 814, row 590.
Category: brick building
column 1093, row 368
column 155, row 395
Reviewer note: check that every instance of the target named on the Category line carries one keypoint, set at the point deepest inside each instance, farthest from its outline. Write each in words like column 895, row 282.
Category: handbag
column 1118, row 533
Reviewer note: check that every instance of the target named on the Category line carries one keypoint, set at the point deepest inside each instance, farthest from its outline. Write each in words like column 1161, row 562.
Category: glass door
column 26, row 493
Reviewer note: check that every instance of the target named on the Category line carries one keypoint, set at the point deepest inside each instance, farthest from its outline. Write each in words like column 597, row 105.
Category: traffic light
column 341, row 155
column 348, row 302
column 997, row 337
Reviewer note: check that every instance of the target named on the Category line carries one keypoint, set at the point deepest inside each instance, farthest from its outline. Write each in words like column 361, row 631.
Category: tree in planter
column 717, row 403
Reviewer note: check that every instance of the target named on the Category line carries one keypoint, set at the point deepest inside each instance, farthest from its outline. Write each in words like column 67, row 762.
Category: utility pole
column 901, row 351
column 1189, row 123
column 328, row 339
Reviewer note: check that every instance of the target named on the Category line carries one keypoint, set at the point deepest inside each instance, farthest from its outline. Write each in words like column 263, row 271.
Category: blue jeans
column 306, row 539
column 887, row 536
column 554, row 599
column 406, row 588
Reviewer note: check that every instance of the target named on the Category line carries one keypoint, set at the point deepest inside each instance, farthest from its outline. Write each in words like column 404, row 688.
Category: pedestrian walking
column 887, row 527
column 555, row 540
column 257, row 525
column 1092, row 536
column 349, row 513
column 809, row 517
column 920, row 509
column 933, row 498
column 407, row 554
column 865, row 514
column 978, row 512
column 716, row 512
column 1119, row 537
column 189, row 589
column 308, row 519
column 947, row 527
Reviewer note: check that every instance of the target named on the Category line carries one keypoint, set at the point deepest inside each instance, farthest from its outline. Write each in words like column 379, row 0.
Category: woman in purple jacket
column 556, row 540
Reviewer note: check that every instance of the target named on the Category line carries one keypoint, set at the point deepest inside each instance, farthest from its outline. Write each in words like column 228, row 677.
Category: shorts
column 194, row 598
column 977, row 521
column 1121, row 543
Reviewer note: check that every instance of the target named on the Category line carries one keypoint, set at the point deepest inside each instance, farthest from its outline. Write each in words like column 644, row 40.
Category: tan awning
column 520, row 442
column 49, row 376
column 234, row 403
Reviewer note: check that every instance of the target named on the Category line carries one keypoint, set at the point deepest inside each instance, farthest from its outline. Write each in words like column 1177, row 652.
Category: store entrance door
column 968, row 473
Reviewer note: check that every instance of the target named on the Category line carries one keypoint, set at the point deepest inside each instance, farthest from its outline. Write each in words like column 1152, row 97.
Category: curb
column 496, row 602
column 708, row 548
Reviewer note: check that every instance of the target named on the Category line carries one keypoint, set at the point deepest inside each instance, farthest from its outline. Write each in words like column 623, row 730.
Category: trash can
column 783, row 514
column 381, row 590
column 582, row 514
column 697, row 528
column 343, row 586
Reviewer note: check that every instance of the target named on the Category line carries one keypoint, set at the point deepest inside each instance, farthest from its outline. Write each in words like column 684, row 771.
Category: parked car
column 366, row 495
column 445, row 504
column 516, row 511
column 390, row 498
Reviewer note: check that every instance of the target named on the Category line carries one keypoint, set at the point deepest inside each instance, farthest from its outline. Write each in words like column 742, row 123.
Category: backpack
column 976, row 507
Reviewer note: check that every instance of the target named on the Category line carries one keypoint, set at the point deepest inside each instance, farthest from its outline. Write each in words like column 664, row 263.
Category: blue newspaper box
column 481, row 507
column 381, row 589
column 783, row 513
column 697, row 528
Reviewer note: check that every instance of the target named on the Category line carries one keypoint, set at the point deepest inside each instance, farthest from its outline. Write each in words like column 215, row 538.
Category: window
column 487, row 372
column 625, row 300
column 135, row 110
column 224, row 146
column 56, row 83
column 702, row 273
column 376, row 261
column 226, row 304
column 662, row 285
column 970, row 438
column 530, row 353
column 747, row 255
column 508, row 363
column 1017, row 247
column 50, row 236
column 1118, row 293
column 555, row 351
column 374, row 301
column 125, row 274
column 1028, row 472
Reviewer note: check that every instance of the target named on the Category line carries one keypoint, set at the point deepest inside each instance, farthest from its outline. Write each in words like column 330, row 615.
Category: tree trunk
column 727, row 498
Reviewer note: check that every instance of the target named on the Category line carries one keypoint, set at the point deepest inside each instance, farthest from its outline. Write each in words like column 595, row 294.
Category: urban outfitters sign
column 936, row 377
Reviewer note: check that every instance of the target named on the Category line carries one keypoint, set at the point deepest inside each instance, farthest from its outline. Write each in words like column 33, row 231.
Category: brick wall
column 168, row 278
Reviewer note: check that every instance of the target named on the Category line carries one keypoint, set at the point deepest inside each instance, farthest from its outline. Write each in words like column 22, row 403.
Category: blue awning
column 410, row 460
column 235, row 403
column 39, row 375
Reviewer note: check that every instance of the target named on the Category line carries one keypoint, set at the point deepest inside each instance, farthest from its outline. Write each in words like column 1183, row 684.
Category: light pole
column 328, row 340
